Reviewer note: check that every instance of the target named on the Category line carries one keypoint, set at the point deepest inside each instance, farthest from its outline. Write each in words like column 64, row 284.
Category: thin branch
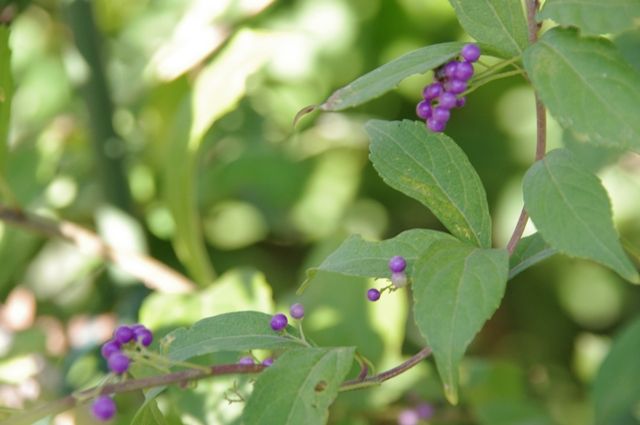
column 358, row 383
column 541, row 124
column 149, row 271
column 183, row 376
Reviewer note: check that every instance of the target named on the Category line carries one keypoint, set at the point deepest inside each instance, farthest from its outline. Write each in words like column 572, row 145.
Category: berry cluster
column 103, row 407
column 397, row 266
column 443, row 94
column 279, row 321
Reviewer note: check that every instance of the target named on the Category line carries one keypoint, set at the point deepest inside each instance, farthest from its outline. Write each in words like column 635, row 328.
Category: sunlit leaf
column 434, row 170
column 610, row 17
column 217, row 89
column 498, row 23
column 616, row 390
column 456, row 288
column 359, row 257
column 299, row 387
column 530, row 250
column 587, row 86
column 238, row 331
column 149, row 414
column 572, row 212
column 389, row 75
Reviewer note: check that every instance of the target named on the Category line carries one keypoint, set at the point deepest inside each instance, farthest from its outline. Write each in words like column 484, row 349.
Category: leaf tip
column 451, row 393
column 302, row 112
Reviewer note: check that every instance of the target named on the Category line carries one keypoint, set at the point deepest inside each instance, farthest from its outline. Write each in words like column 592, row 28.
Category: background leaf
column 572, row 212
column 616, row 390
column 6, row 93
column 359, row 257
column 610, row 17
column 498, row 23
column 456, row 288
column 431, row 168
column 238, row 331
column 530, row 250
column 587, row 86
column 299, row 387
column 389, row 75
column 149, row 414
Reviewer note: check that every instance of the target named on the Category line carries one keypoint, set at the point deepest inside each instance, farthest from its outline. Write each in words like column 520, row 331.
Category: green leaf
column 587, row 86
column 616, row 390
column 6, row 93
column 389, row 75
column 299, row 387
column 218, row 88
column 498, row 23
column 456, row 288
column 238, row 331
column 572, row 212
column 359, row 257
column 610, row 17
column 431, row 168
column 530, row 250
column 149, row 414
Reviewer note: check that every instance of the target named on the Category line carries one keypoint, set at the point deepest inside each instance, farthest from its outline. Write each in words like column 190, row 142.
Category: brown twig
column 541, row 124
column 149, row 271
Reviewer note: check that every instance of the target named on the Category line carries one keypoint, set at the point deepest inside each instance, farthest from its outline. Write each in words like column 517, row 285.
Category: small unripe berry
column 432, row 91
column 447, row 100
column 103, row 408
column 460, row 102
column 399, row 279
column 297, row 311
column 373, row 294
column 435, row 125
column 110, row 347
column 470, row 52
column 423, row 109
column 118, row 363
column 268, row 361
column 144, row 336
column 279, row 322
column 123, row 334
column 247, row 360
column 397, row 264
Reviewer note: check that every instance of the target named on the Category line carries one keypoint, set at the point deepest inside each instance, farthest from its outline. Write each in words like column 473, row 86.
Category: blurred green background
column 167, row 126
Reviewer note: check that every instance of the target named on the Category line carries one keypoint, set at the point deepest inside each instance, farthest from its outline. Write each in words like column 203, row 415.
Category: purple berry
column 399, row 279
column 123, row 334
column 423, row 110
column 408, row 417
column 470, row 52
column 435, row 125
column 425, row 411
column 279, row 322
column 137, row 326
column 432, row 91
column 247, row 360
column 268, row 361
column 447, row 101
column 103, row 408
column 464, row 71
column 144, row 336
column 118, row 363
column 110, row 347
column 460, row 102
column 450, row 69
column 297, row 311
column 373, row 294
column 441, row 114
column 456, row 86
column 397, row 264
